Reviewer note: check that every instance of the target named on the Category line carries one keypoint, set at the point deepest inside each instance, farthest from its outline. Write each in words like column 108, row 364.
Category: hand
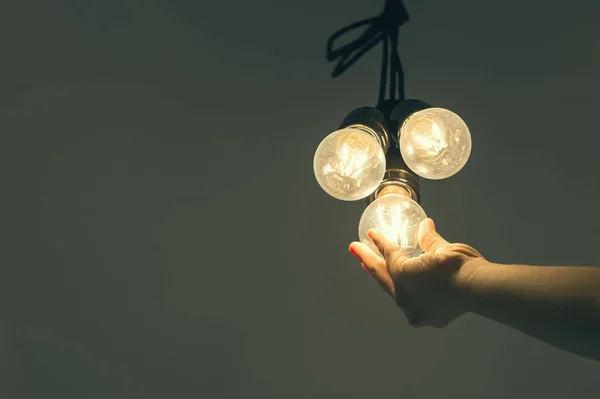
column 425, row 287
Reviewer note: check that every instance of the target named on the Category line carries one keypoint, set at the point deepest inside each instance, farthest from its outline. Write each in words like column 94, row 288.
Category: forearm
column 558, row 305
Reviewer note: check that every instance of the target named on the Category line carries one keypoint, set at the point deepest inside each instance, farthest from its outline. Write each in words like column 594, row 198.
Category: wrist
column 466, row 277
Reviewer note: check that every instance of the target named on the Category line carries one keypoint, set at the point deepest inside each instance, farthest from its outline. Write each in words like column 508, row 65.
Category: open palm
column 421, row 286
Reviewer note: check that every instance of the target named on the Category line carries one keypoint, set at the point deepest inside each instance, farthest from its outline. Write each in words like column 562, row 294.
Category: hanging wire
column 383, row 28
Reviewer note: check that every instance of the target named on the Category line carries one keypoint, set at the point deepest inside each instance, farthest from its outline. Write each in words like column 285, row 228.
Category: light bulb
column 435, row 143
column 398, row 217
column 349, row 164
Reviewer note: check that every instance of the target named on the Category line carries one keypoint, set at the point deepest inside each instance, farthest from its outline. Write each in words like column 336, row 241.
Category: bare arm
column 558, row 305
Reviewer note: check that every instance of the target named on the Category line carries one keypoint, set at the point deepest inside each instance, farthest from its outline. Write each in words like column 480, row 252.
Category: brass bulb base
column 397, row 181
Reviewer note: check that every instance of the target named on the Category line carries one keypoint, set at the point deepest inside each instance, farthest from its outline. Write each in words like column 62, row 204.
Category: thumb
column 429, row 239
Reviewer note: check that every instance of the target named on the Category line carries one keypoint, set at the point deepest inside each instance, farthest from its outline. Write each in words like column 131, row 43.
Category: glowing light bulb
column 349, row 164
column 398, row 217
column 435, row 143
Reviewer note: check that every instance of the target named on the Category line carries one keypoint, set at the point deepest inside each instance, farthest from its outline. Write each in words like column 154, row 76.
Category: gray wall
column 165, row 236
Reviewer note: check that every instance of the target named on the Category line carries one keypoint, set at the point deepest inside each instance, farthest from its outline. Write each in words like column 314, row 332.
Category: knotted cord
column 383, row 28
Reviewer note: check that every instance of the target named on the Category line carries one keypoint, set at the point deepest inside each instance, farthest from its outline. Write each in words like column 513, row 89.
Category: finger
column 414, row 321
column 393, row 256
column 374, row 265
column 429, row 239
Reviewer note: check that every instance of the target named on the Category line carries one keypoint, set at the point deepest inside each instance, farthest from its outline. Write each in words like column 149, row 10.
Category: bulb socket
column 398, row 179
column 393, row 189
column 373, row 120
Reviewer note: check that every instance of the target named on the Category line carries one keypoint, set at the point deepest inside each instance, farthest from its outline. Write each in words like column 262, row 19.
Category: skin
column 558, row 305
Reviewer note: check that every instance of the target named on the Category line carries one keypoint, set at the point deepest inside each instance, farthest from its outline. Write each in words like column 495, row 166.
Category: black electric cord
column 383, row 28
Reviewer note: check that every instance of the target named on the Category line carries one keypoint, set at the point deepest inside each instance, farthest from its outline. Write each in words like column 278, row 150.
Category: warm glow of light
column 349, row 164
column 435, row 143
column 398, row 217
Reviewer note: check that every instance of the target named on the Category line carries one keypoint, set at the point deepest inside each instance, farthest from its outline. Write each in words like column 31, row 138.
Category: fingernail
column 365, row 268
column 353, row 252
